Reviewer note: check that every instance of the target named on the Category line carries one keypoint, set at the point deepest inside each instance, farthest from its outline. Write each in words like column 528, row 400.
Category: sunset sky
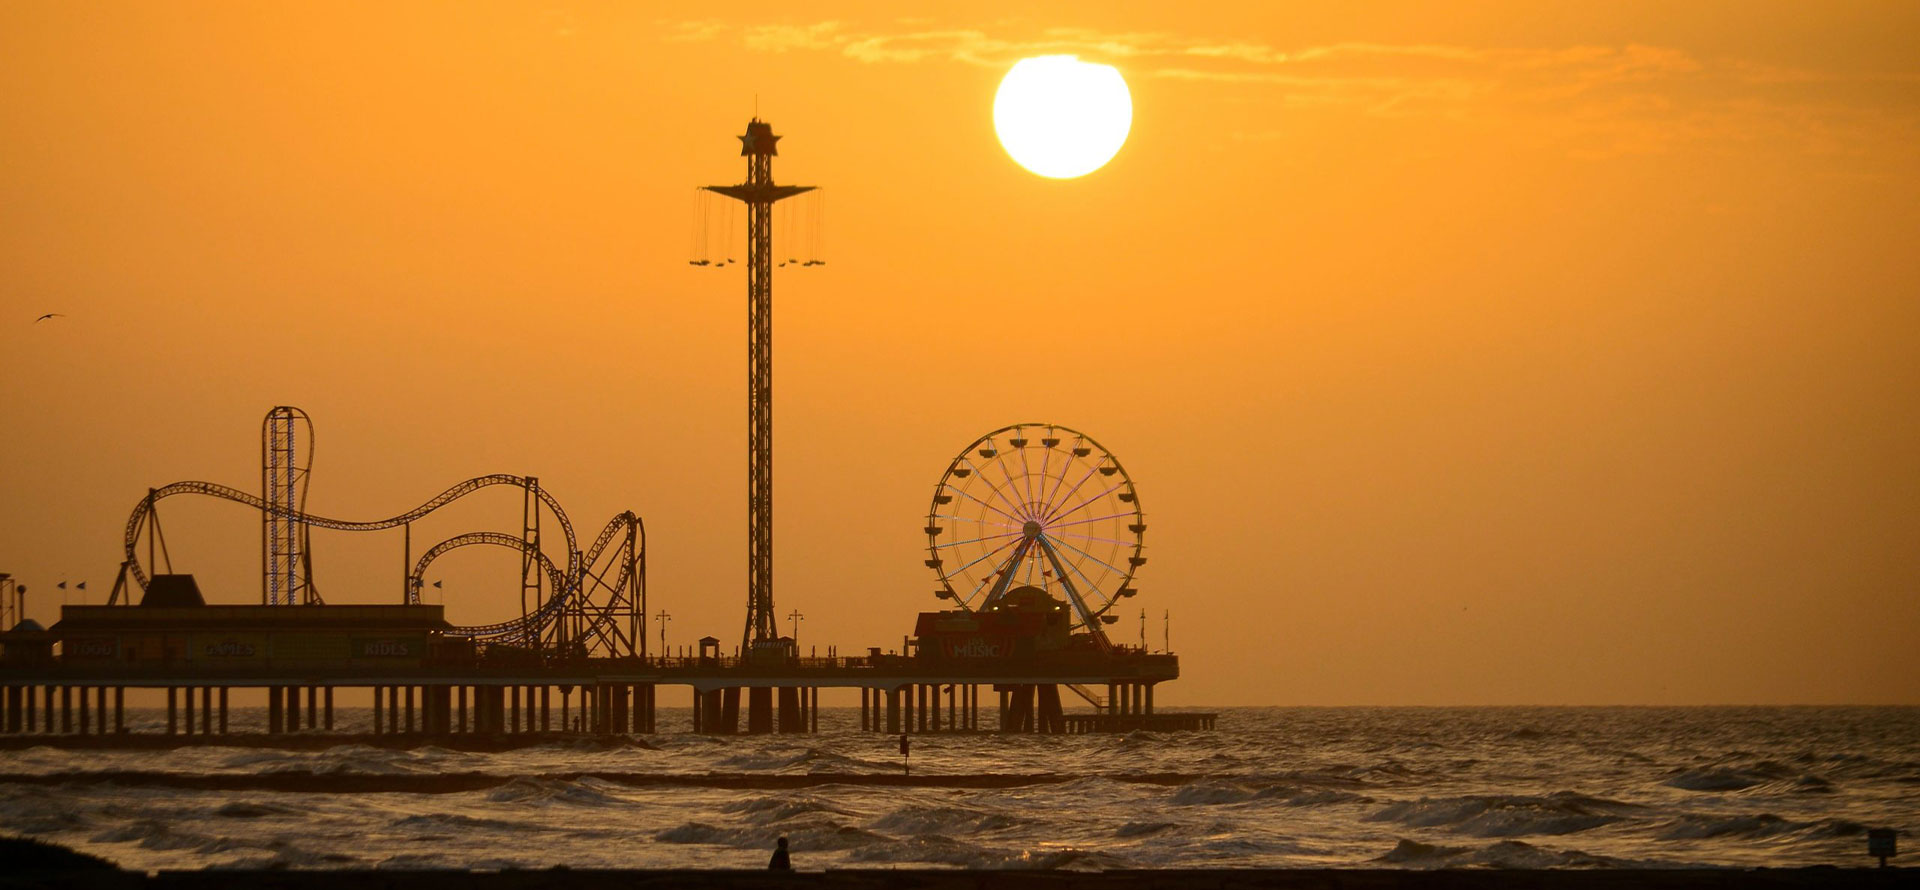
column 1463, row 353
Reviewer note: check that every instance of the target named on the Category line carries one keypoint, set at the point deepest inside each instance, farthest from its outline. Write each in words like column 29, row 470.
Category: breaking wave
column 1759, row 825
column 1500, row 815
column 1504, row 854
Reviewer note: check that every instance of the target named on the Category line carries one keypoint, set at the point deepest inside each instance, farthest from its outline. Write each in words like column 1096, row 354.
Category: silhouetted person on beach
column 779, row 861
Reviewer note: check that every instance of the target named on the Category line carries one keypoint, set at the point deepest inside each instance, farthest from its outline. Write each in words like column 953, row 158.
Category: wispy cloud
column 781, row 38
column 691, row 32
column 1612, row 100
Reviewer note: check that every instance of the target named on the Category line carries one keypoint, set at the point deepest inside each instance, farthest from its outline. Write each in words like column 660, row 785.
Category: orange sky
column 1463, row 353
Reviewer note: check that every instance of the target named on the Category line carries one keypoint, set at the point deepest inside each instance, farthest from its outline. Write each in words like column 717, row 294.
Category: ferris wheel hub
column 1031, row 529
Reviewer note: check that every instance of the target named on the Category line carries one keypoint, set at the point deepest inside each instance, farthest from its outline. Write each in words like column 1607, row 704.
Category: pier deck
column 899, row 694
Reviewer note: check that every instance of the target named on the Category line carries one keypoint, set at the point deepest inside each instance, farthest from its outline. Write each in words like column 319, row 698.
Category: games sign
column 230, row 648
column 387, row 647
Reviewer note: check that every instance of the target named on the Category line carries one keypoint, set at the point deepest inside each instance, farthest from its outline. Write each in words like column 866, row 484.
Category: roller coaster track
column 566, row 585
column 142, row 510
column 599, row 616
column 525, row 630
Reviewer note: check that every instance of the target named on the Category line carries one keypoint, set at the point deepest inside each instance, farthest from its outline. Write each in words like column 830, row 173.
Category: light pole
column 664, row 618
column 797, row 617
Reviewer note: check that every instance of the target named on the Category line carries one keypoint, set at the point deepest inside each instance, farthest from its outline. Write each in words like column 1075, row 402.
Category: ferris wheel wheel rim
column 1131, row 498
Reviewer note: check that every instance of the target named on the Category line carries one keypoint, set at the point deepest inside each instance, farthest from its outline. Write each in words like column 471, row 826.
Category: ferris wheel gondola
column 1037, row 505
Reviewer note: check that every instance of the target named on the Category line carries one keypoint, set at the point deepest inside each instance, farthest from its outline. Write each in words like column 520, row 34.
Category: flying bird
column 49, row 315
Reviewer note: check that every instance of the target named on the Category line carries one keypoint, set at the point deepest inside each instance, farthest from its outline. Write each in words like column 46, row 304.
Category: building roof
column 282, row 619
column 27, row 626
column 172, row 592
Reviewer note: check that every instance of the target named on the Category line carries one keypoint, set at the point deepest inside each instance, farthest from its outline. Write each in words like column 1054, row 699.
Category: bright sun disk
column 1060, row 117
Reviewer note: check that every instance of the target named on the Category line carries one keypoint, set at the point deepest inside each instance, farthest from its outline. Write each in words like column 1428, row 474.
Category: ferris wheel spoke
column 1003, row 496
column 978, row 540
column 959, row 518
column 1046, row 474
column 1000, row 460
column 1026, row 476
column 1057, row 496
column 982, row 557
column 1096, row 538
column 976, row 590
column 1088, row 520
column 1092, row 603
column 1051, row 517
column 1110, row 566
column 1053, row 495
column 970, row 496
column 1094, row 591
column 1063, row 566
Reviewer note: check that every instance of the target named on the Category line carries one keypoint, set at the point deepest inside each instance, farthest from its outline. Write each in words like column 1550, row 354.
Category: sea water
column 1272, row 787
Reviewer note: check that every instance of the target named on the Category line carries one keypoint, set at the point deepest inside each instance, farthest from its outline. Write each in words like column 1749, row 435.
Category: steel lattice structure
column 286, row 565
column 593, row 606
column 759, row 193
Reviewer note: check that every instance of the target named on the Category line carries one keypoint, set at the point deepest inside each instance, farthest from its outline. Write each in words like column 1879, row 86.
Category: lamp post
column 797, row 617
column 664, row 618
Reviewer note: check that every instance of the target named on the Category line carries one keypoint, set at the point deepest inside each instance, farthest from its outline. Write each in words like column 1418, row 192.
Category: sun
column 1060, row 117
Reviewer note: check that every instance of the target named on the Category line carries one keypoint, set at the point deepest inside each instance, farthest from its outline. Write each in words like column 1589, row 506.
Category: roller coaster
column 593, row 606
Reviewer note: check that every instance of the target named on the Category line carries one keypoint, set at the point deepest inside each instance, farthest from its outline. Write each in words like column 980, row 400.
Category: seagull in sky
column 49, row 315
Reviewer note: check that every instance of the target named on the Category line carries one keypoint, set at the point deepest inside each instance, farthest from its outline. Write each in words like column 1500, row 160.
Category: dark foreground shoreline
column 940, row 879
column 35, row 863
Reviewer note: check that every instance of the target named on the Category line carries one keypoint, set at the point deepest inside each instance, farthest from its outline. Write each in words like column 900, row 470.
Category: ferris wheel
column 1036, row 505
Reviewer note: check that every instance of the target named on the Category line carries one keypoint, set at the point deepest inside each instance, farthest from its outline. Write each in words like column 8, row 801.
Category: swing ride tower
column 759, row 193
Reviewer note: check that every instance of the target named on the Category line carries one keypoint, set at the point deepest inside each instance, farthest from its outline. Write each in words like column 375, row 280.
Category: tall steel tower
column 759, row 194
column 285, row 559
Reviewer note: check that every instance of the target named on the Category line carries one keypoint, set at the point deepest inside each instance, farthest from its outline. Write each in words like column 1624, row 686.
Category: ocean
column 1272, row 787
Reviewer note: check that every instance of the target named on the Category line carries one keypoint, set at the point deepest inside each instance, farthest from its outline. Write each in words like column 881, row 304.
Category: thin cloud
column 785, row 38
column 692, row 32
column 1603, row 101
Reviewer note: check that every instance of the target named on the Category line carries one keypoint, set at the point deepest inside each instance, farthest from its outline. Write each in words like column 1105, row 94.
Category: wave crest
column 1504, row 815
